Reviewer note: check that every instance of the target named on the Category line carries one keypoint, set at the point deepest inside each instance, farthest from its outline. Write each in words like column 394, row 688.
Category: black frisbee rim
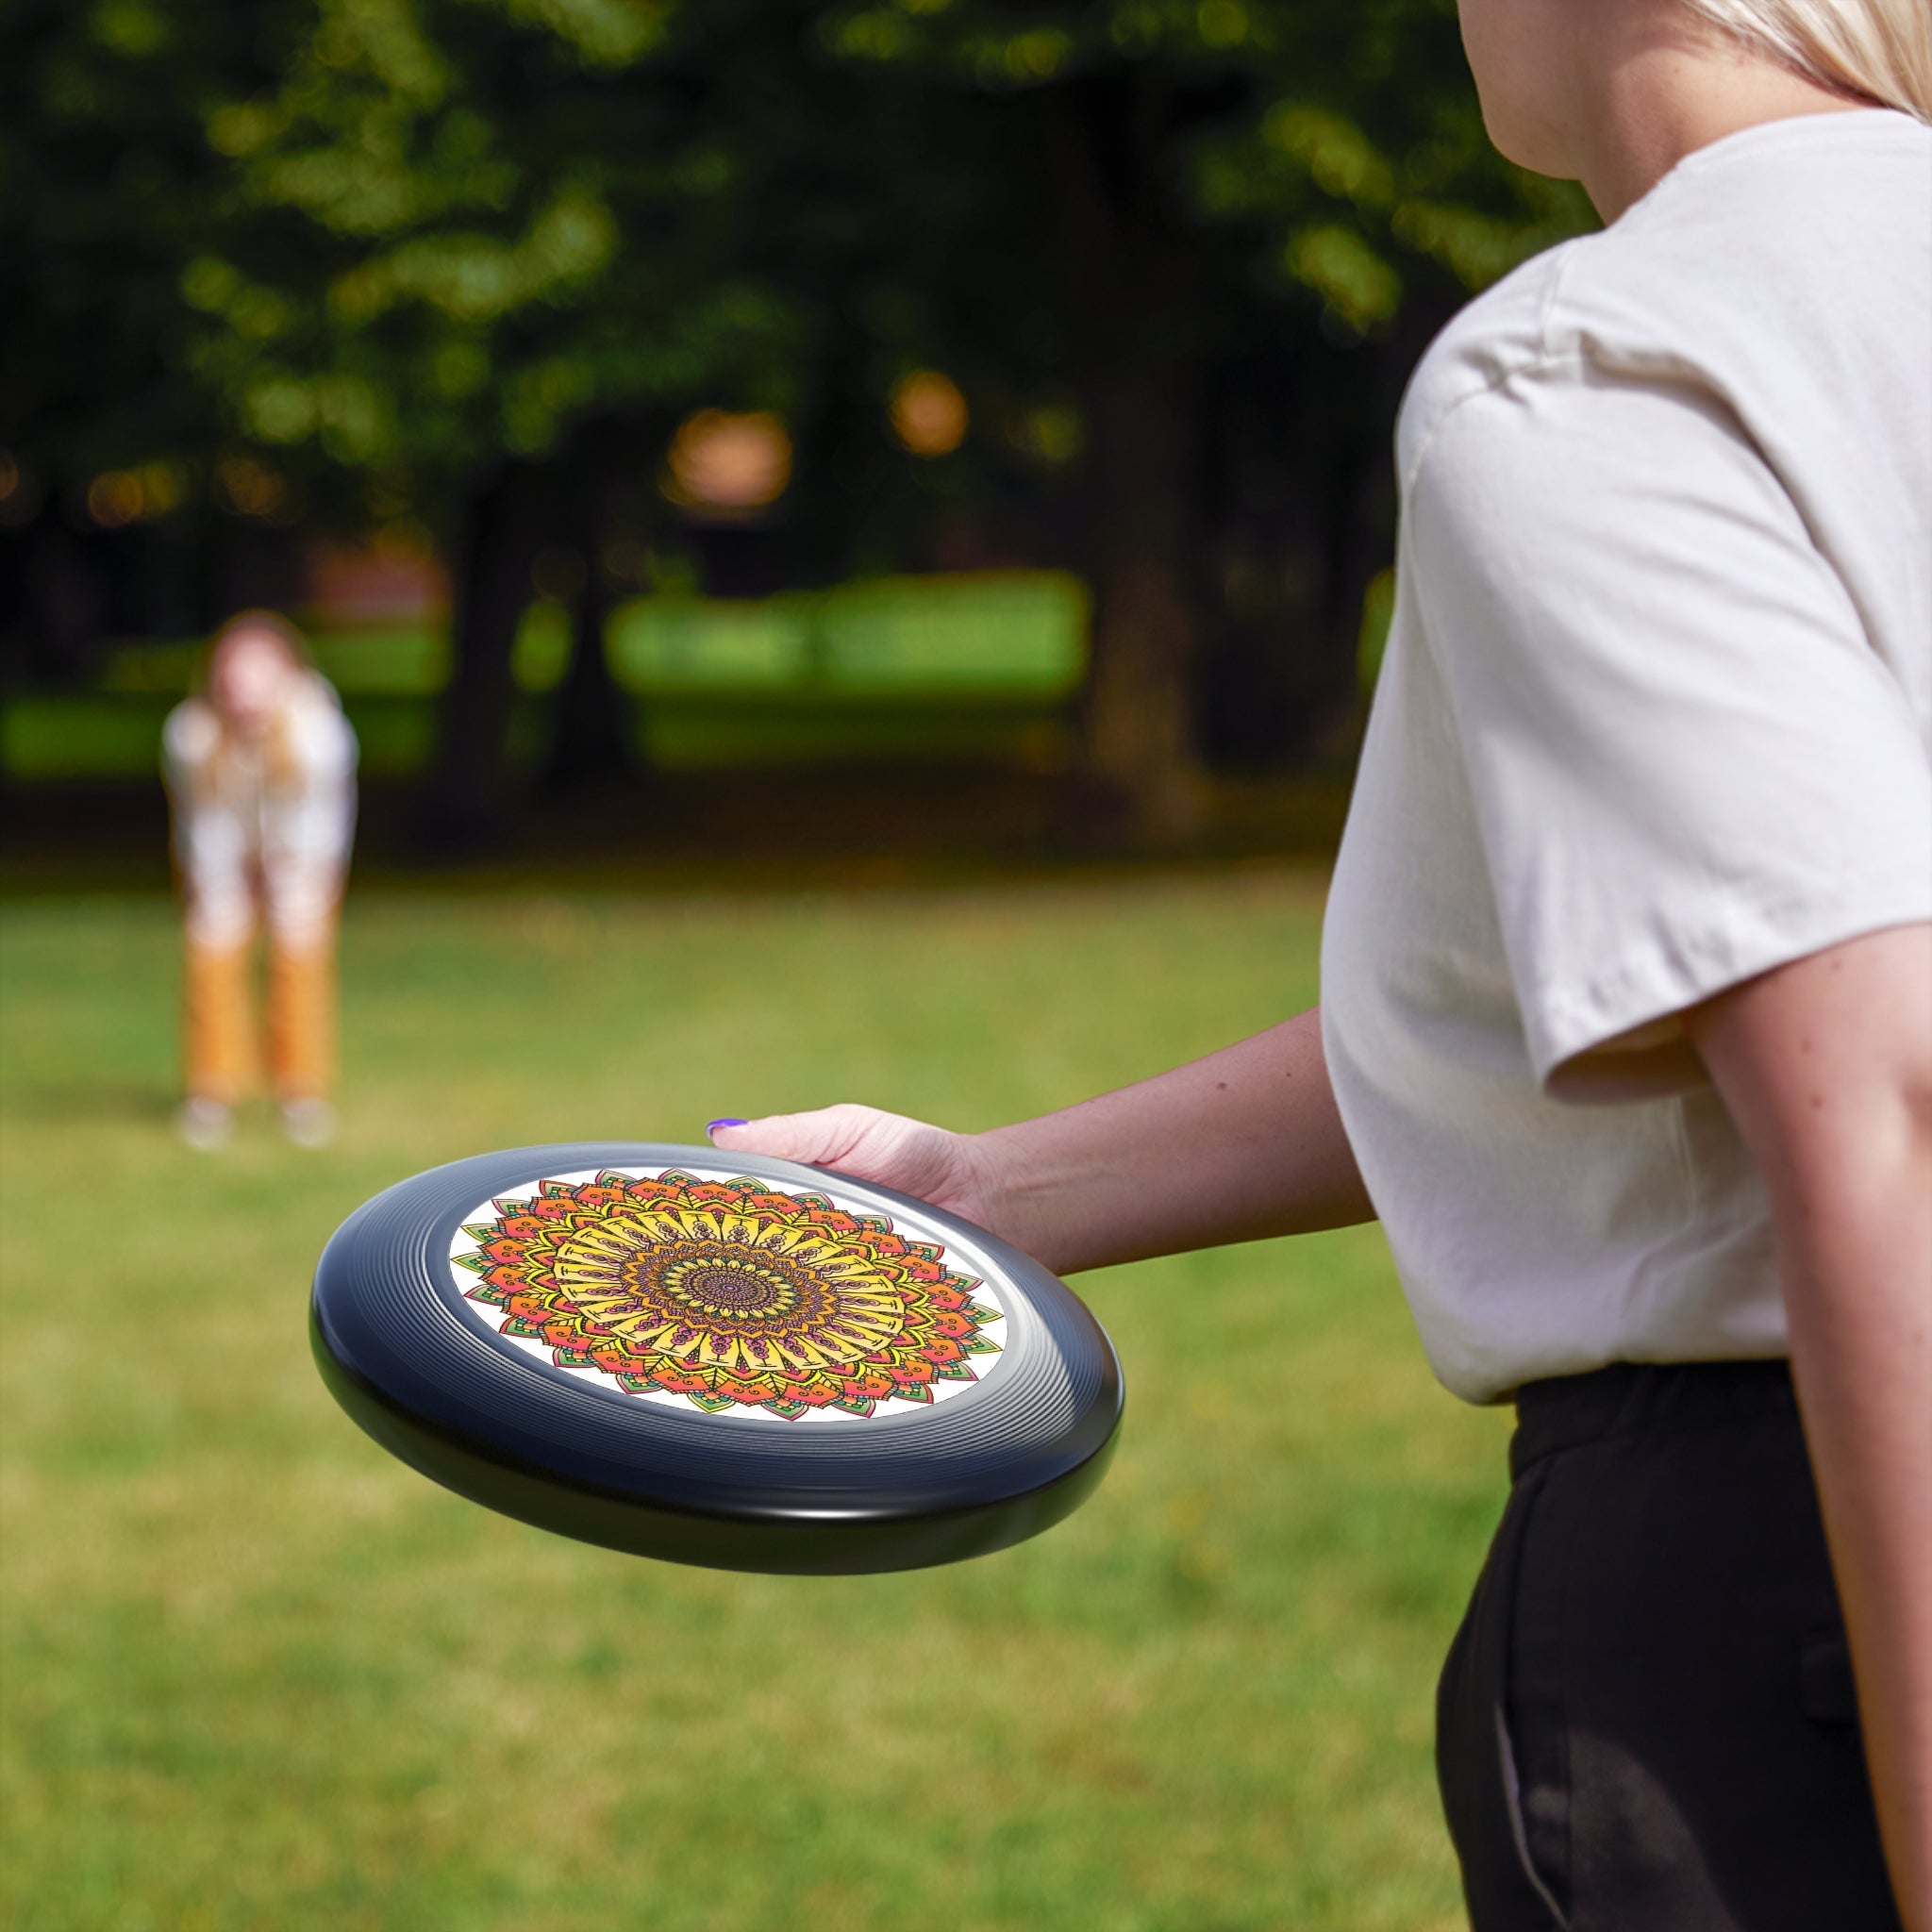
column 991, row 1466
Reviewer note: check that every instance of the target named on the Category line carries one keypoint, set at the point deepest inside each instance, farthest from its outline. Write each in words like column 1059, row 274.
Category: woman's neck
column 1656, row 96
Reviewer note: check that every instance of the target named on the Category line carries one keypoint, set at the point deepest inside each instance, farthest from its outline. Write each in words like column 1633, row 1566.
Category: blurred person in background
column 260, row 769
column 1626, row 1022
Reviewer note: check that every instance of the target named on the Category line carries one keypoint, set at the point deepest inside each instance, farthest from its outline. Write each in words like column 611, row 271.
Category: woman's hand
column 949, row 1169
column 1238, row 1147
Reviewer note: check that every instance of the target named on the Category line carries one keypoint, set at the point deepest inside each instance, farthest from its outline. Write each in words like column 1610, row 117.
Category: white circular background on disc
column 700, row 1288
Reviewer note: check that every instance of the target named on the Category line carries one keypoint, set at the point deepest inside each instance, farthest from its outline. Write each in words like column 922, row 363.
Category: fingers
column 860, row 1140
column 908, row 1156
column 819, row 1139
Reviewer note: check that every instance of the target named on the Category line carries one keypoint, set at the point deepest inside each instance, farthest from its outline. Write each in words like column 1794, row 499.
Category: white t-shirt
column 1656, row 716
column 249, row 826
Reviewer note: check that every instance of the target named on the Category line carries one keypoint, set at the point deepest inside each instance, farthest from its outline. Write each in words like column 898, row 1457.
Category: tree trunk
column 594, row 744
column 468, row 797
column 1140, row 742
column 590, row 746
column 1133, row 306
column 64, row 605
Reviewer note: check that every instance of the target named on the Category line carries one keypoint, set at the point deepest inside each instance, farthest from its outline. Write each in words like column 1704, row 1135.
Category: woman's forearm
column 1859, row 1296
column 1243, row 1145
column 1827, row 1068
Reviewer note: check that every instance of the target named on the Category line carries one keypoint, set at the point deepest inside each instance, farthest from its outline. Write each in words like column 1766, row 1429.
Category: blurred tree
column 510, row 229
column 471, row 261
column 527, row 239
column 1233, row 195
column 107, row 188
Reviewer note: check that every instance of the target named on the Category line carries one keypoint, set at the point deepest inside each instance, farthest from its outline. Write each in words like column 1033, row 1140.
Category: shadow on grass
column 782, row 829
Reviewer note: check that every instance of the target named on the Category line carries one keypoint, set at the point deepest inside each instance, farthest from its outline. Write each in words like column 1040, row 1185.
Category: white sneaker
column 308, row 1121
column 204, row 1123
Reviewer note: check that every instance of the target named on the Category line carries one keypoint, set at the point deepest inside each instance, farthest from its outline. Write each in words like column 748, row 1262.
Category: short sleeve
column 322, row 738
column 1688, row 761
column 187, row 742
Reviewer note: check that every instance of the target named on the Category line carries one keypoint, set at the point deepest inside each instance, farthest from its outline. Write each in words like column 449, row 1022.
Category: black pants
column 1647, row 1721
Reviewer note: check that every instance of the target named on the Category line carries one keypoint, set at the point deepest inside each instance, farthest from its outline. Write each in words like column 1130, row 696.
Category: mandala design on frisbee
column 727, row 1294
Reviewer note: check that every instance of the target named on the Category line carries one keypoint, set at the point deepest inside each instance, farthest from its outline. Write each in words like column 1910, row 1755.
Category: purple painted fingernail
column 714, row 1125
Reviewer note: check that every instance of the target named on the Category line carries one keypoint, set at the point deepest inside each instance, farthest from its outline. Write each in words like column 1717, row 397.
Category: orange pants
column 222, row 1045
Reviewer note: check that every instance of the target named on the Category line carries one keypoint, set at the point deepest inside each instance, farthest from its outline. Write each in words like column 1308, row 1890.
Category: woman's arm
column 1827, row 1068
column 1241, row 1146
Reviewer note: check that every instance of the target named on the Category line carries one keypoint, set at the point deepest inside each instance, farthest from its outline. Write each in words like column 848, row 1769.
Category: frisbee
column 715, row 1359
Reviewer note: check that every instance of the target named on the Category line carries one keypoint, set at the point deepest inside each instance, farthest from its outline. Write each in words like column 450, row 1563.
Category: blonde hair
column 1879, row 50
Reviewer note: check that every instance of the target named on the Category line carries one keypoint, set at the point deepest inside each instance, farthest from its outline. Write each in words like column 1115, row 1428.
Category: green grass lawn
column 256, row 1674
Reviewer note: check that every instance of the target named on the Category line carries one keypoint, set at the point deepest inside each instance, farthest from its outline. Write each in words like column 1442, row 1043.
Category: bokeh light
column 1050, row 433
column 250, row 489
column 119, row 497
column 726, row 464
column 929, row 415
column 114, row 499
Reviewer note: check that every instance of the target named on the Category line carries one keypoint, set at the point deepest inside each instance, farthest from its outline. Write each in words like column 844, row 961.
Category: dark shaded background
column 390, row 314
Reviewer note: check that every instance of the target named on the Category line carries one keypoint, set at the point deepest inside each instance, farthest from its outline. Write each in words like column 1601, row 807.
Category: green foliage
column 498, row 238
column 395, row 239
column 260, row 1674
column 1347, row 133
column 106, row 190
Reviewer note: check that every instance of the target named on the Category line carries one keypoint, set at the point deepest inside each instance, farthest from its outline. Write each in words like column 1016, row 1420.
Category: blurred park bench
column 984, row 665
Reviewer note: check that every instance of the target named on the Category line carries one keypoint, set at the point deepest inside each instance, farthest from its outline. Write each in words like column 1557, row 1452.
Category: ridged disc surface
column 738, row 1361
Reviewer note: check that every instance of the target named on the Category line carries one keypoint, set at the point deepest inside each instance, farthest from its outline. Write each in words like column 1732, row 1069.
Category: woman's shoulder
column 192, row 733
column 319, row 732
column 315, row 697
column 1493, row 338
column 1789, row 253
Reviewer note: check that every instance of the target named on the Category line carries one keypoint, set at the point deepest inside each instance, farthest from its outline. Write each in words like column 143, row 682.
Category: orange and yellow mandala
column 728, row 1293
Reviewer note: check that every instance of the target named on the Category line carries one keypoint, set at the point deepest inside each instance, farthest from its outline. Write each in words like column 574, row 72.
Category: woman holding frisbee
column 1627, row 1031
column 260, row 767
